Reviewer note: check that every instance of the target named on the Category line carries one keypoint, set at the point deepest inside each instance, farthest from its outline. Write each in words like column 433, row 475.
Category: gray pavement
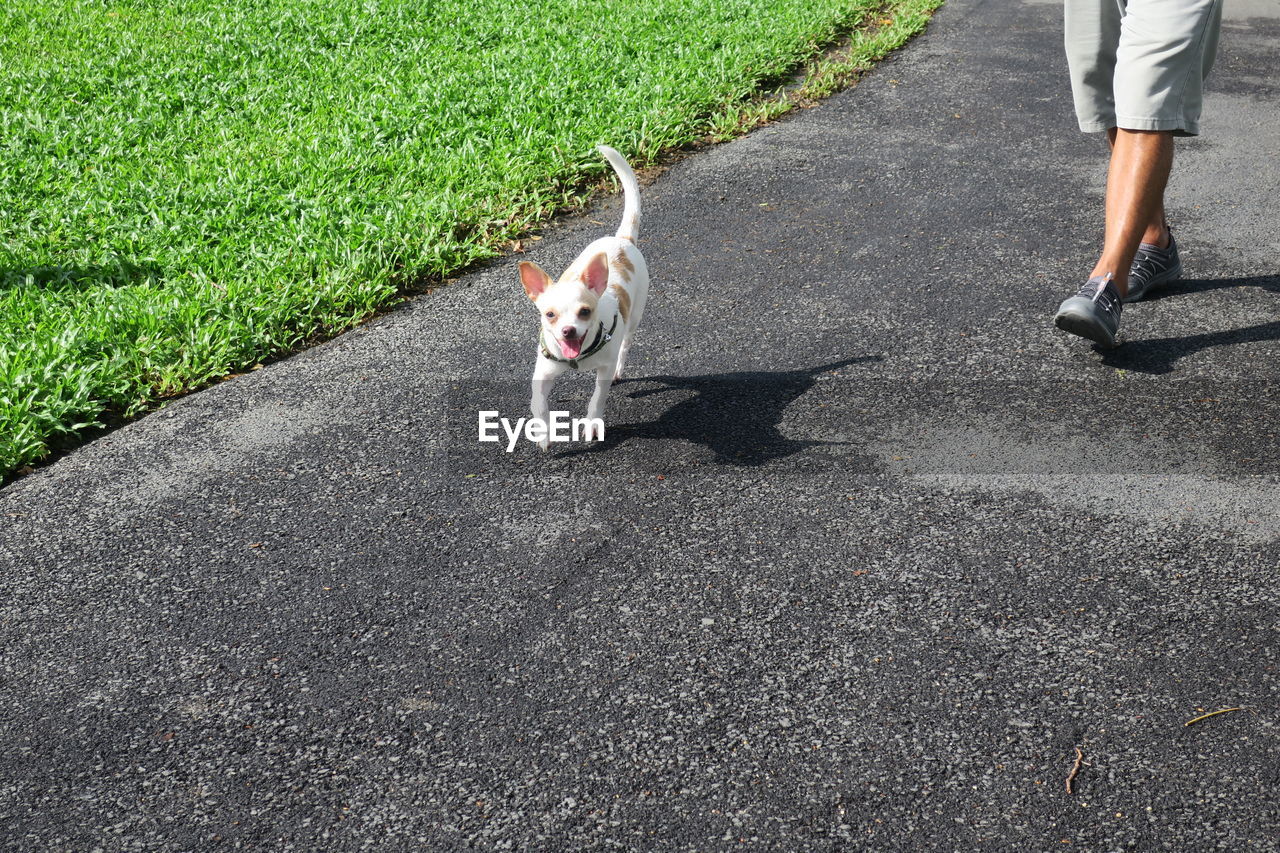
column 870, row 551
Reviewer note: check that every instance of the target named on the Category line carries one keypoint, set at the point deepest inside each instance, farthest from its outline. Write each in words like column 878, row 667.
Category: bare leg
column 1157, row 231
column 1140, row 164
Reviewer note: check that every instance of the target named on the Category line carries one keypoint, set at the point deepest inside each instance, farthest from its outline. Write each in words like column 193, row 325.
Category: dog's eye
column 551, row 315
column 584, row 313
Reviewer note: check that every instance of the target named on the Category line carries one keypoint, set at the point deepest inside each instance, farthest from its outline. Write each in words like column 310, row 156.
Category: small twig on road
column 1075, row 768
column 1210, row 714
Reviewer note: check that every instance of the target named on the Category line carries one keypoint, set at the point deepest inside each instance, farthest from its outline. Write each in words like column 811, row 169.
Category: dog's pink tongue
column 571, row 348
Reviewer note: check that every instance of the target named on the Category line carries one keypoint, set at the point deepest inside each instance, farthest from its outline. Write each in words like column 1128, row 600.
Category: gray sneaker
column 1153, row 268
column 1093, row 313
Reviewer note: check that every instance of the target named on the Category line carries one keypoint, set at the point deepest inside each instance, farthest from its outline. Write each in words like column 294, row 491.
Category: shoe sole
column 1086, row 327
column 1168, row 277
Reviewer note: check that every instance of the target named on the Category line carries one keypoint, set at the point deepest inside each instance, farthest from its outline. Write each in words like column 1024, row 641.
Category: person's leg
column 1140, row 165
column 1157, row 232
column 1165, row 49
column 1091, row 37
column 1091, row 30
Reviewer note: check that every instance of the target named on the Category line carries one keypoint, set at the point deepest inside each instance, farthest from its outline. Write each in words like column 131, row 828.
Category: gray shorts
column 1139, row 64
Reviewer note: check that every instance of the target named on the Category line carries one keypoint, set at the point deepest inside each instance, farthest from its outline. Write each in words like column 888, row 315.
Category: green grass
column 187, row 188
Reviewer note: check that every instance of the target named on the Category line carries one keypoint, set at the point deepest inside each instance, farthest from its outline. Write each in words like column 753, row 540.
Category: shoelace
column 1107, row 304
column 1147, row 263
column 1151, row 259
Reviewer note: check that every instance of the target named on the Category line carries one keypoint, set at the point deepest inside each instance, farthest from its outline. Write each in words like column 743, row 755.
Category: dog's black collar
column 602, row 338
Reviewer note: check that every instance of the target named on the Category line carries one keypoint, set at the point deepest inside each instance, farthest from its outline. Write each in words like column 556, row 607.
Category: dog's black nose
column 569, row 332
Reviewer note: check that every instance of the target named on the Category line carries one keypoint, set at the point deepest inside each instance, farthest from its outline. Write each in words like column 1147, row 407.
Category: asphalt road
column 870, row 551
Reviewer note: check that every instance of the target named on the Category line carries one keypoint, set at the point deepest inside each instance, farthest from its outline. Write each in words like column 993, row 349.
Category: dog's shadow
column 735, row 415
column 1161, row 355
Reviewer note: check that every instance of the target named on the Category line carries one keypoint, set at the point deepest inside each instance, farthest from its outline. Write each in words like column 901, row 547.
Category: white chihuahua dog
column 590, row 314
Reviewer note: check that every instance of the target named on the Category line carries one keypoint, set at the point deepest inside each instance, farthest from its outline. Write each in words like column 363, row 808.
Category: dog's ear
column 596, row 274
column 534, row 279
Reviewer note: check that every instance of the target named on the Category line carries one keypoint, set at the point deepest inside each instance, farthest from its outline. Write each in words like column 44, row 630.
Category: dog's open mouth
column 571, row 347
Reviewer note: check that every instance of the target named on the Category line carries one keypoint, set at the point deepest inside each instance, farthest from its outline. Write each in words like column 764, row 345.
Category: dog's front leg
column 595, row 409
column 544, row 377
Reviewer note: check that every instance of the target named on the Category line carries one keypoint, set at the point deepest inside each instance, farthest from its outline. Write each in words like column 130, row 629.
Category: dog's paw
column 617, row 377
column 544, row 444
column 592, row 433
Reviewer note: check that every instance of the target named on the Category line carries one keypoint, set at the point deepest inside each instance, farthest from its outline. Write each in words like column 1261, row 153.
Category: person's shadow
column 735, row 415
column 1160, row 355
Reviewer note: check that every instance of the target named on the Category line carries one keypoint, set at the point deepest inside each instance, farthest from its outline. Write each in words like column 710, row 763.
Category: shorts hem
column 1097, row 126
column 1189, row 128
column 1180, row 127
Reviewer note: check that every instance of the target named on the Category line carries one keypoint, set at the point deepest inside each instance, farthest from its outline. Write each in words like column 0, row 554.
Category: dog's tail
column 630, row 227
